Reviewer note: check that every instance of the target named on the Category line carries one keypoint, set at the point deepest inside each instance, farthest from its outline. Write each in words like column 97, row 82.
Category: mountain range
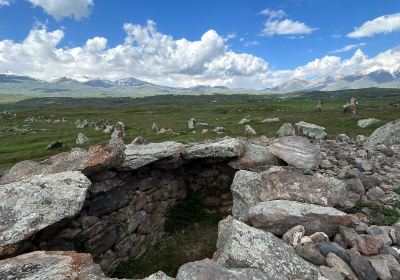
column 67, row 87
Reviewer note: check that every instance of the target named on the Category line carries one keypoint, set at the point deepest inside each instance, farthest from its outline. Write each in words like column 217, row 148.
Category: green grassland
column 174, row 111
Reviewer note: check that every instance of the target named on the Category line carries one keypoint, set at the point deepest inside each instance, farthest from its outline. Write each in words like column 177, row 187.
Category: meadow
column 20, row 140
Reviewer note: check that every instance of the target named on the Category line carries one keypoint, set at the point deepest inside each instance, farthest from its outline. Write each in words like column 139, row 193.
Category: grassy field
column 174, row 111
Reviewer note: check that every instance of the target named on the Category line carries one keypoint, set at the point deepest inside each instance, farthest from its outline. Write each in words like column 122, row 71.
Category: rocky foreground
column 300, row 207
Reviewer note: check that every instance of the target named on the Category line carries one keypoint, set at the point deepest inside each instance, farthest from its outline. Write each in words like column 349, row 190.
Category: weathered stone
column 330, row 273
column 81, row 139
column 246, row 189
column 224, row 148
column 296, row 151
column 319, row 237
column 369, row 244
column 310, row 130
column 333, row 260
column 41, row 265
column 245, row 120
column 331, row 247
column 309, row 252
column 355, row 185
column 317, row 189
column 255, row 158
column 88, row 161
column 278, row 216
column 158, row 276
column 192, row 124
column 363, row 268
column 31, row 205
column 286, row 129
column 383, row 265
column 137, row 156
column 380, row 233
column 387, row 250
column 271, row 120
column 367, row 122
column 294, row 235
column 388, row 134
column 342, row 138
column 246, row 247
column 208, row 269
column 104, row 186
column 248, row 130
column 139, row 141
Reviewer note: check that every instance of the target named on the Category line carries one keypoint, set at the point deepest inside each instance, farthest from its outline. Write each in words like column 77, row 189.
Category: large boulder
column 243, row 246
column 310, row 130
column 137, row 156
column 41, row 265
column 255, row 158
column 279, row 216
column 315, row 189
column 31, row 205
column 221, row 149
column 367, row 122
column 388, row 134
column 88, row 161
column 296, row 151
column 210, row 270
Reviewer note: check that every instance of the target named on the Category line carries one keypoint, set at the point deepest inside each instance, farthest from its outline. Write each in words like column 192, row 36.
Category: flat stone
column 223, row 149
column 31, row 205
column 137, row 156
column 363, row 268
column 41, row 265
column 88, row 161
column 278, row 216
column 243, row 246
column 297, row 151
column 310, row 130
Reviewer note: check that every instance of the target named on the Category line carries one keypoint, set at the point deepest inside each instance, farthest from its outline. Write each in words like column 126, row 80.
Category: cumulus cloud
column 59, row 9
column 5, row 3
column 348, row 48
column 152, row 56
column 277, row 24
column 383, row 24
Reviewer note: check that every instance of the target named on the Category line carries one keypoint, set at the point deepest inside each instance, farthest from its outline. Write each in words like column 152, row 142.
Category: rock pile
column 302, row 208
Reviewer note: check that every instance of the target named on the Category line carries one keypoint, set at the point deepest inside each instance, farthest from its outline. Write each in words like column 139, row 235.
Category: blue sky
column 251, row 43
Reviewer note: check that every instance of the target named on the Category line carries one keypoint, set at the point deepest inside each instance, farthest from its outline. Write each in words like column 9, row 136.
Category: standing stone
column 119, row 130
column 296, row 151
column 192, row 124
column 243, row 246
column 154, row 128
column 81, row 139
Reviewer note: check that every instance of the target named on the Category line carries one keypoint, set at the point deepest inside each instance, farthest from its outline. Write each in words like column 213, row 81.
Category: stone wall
column 125, row 210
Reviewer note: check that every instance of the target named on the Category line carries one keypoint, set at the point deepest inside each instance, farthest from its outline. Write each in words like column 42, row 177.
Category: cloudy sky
column 235, row 43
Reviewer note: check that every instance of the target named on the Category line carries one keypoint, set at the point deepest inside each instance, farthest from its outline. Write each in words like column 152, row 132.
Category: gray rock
column 248, row 130
column 255, row 158
column 223, row 149
column 286, row 129
column 317, row 189
column 387, row 250
column 158, row 276
column 31, row 205
column 208, row 270
column 342, row 138
column 119, row 130
column 81, row 139
column 219, row 130
column 296, row 151
column 331, row 247
column 192, row 124
column 278, row 216
column 310, row 130
column 245, row 120
column 246, row 189
column 367, row 122
column 294, row 235
column 309, row 252
column 41, row 265
column 383, row 264
column 137, row 156
column 333, row 260
column 380, row 233
column 88, row 161
column 243, row 246
column 139, row 141
column 388, row 134
column 271, row 120
column 330, row 273
column 363, row 268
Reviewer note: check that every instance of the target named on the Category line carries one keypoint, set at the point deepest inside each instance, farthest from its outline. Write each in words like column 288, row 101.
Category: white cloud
column 59, row 9
column 159, row 58
column 383, row 24
column 5, row 3
column 277, row 25
column 348, row 48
